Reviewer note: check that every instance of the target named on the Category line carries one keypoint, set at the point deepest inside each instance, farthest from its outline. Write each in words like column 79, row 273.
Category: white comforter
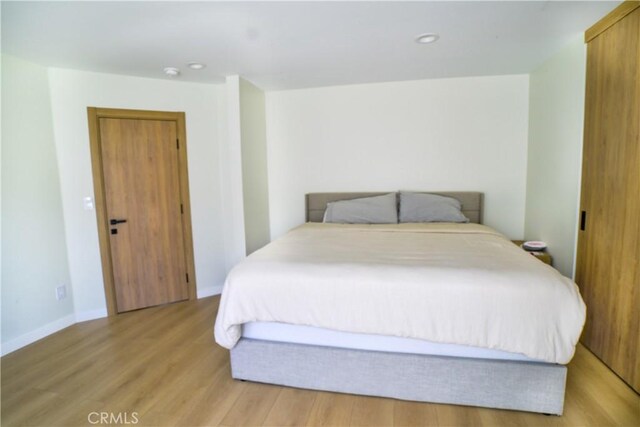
column 450, row 283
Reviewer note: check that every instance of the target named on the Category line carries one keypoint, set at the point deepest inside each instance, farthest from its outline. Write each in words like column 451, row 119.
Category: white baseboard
column 210, row 291
column 91, row 315
column 38, row 334
column 50, row 328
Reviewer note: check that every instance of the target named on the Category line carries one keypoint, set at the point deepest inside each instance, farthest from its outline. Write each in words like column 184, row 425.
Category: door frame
column 94, row 115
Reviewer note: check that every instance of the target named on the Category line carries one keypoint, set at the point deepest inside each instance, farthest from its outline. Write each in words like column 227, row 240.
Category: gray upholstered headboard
column 316, row 203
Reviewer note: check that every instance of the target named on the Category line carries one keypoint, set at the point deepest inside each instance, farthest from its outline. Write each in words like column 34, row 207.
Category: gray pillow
column 367, row 210
column 421, row 207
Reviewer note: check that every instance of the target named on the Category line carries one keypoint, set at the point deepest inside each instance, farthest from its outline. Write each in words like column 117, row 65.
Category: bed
column 445, row 313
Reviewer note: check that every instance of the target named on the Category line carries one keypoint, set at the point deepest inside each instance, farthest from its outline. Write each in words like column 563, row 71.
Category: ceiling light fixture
column 196, row 65
column 427, row 38
column 172, row 71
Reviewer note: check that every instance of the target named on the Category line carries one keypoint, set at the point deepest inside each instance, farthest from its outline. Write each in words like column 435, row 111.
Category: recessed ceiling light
column 427, row 38
column 172, row 71
column 196, row 65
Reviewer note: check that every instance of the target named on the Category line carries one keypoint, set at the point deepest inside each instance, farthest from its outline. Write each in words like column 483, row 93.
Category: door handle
column 117, row 221
column 583, row 220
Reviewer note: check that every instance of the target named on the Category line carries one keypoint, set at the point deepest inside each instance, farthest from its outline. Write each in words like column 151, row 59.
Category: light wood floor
column 162, row 364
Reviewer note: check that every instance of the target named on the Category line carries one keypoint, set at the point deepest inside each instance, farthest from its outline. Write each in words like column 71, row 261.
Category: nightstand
column 542, row 256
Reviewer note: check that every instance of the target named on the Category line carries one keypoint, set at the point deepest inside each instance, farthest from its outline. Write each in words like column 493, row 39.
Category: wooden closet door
column 608, row 270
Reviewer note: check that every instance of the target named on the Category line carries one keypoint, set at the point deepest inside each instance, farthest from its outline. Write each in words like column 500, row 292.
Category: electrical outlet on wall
column 61, row 292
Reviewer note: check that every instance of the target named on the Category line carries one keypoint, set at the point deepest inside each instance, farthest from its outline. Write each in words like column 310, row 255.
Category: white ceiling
column 285, row 45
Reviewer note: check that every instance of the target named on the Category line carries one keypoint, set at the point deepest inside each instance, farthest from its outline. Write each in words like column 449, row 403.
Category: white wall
column 34, row 251
column 71, row 93
column 231, row 168
column 254, row 166
column 556, row 117
column 445, row 134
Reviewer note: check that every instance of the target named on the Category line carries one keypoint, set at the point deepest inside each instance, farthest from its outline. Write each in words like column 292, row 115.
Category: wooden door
column 608, row 270
column 143, row 211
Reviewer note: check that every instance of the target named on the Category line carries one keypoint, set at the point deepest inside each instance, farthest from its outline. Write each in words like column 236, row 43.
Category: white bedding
column 448, row 283
column 311, row 335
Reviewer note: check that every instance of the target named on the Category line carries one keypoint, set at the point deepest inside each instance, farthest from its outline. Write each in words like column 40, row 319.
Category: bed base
column 504, row 384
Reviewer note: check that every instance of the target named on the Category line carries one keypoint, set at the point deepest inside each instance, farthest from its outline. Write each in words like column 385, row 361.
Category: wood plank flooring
column 162, row 365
